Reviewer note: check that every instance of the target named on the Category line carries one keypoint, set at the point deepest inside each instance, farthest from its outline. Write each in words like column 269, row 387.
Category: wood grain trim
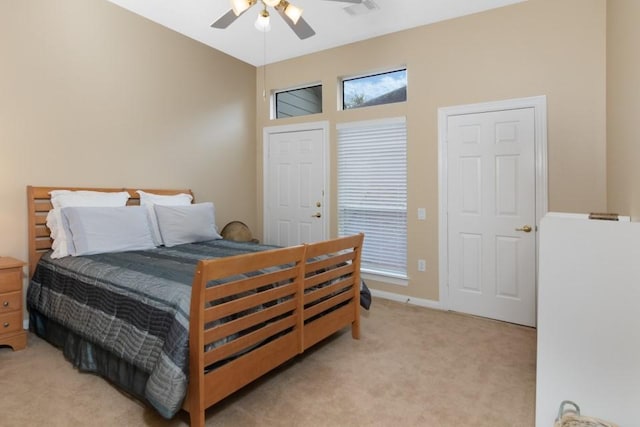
column 347, row 250
column 206, row 388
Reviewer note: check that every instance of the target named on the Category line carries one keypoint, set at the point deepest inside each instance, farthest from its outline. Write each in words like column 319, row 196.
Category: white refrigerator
column 589, row 318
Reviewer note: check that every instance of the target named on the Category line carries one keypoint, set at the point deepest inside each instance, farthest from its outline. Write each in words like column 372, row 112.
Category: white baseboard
column 406, row 299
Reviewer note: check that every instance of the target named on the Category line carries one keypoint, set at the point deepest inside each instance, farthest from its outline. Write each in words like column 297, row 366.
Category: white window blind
column 372, row 191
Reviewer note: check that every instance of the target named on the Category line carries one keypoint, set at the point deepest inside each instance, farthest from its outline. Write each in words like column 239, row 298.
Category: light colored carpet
column 412, row 367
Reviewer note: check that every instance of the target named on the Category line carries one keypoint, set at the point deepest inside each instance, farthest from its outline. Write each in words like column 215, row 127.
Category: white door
column 294, row 187
column 491, row 214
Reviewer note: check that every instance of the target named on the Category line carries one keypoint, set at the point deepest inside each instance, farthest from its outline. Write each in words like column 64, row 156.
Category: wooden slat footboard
column 332, row 288
column 316, row 294
column 251, row 322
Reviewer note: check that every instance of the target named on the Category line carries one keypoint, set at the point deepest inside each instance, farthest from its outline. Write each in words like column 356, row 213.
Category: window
column 374, row 89
column 372, row 192
column 298, row 102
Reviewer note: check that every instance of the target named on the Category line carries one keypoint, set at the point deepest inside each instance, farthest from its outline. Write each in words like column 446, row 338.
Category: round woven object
column 237, row 231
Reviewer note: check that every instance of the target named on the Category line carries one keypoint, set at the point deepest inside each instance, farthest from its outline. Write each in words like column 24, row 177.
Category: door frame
column 267, row 131
column 539, row 104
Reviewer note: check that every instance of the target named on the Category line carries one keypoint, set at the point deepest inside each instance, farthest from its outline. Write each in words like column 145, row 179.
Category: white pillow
column 187, row 224
column 65, row 198
column 149, row 200
column 96, row 230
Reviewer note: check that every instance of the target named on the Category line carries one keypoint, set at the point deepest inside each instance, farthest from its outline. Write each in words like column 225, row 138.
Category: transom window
column 298, row 102
column 374, row 89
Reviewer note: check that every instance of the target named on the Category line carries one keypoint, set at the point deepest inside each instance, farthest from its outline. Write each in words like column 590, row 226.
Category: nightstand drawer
column 10, row 301
column 11, row 279
column 10, row 322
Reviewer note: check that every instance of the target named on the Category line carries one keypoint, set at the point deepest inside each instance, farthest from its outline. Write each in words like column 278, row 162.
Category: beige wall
column 539, row 47
column 623, row 107
column 93, row 95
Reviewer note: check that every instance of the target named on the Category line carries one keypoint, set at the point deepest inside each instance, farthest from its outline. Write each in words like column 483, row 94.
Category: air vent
column 363, row 8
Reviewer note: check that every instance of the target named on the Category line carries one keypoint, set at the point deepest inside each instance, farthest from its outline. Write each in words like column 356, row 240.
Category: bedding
column 94, row 230
column 130, row 310
column 105, row 300
column 65, row 198
column 186, row 224
column 149, row 200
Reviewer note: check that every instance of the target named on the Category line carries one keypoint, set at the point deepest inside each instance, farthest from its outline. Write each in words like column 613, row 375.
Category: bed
column 186, row 326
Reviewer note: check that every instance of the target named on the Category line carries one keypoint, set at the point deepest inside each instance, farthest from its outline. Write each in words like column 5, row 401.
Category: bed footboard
column 244, row 325
column 332, row 288
column 251, row 313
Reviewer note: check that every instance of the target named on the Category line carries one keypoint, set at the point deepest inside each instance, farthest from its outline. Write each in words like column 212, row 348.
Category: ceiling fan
column 291, row 14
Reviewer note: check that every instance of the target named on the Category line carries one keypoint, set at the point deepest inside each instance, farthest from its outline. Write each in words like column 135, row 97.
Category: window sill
column 393, row 279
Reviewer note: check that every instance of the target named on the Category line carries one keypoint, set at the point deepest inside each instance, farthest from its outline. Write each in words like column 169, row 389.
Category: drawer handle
column 6, row 324
column 5, row 304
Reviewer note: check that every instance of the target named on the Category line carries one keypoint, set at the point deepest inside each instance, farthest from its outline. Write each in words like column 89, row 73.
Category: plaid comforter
column 134, row 305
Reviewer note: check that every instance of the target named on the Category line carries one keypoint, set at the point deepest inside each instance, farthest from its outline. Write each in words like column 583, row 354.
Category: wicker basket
column 569, row 416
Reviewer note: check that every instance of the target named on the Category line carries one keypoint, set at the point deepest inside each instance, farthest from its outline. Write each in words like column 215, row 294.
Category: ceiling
column 332, row 24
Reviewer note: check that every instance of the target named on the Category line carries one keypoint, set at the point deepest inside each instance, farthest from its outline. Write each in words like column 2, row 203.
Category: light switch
column 422, row 214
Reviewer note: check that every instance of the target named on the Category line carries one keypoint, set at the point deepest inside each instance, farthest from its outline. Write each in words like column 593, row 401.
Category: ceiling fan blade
column 302, row 29
column 225, row 20
column 347, row 1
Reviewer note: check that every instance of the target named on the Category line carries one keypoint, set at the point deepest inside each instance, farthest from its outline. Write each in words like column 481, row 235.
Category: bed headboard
column 39, row 205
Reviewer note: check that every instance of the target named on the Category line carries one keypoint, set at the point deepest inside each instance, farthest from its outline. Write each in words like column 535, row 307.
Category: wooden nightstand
column 11, row 330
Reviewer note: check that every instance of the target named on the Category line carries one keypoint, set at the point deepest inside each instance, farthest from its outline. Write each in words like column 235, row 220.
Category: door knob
column 316, row 215
column 526, row 229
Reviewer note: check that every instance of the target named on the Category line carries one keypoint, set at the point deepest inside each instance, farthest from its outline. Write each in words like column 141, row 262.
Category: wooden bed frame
column 299, row 313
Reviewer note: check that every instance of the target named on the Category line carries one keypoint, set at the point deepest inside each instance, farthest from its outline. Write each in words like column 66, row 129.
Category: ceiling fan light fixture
column 293, row 12
column 262, row 23
column 240, row 6
column 292, row 15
